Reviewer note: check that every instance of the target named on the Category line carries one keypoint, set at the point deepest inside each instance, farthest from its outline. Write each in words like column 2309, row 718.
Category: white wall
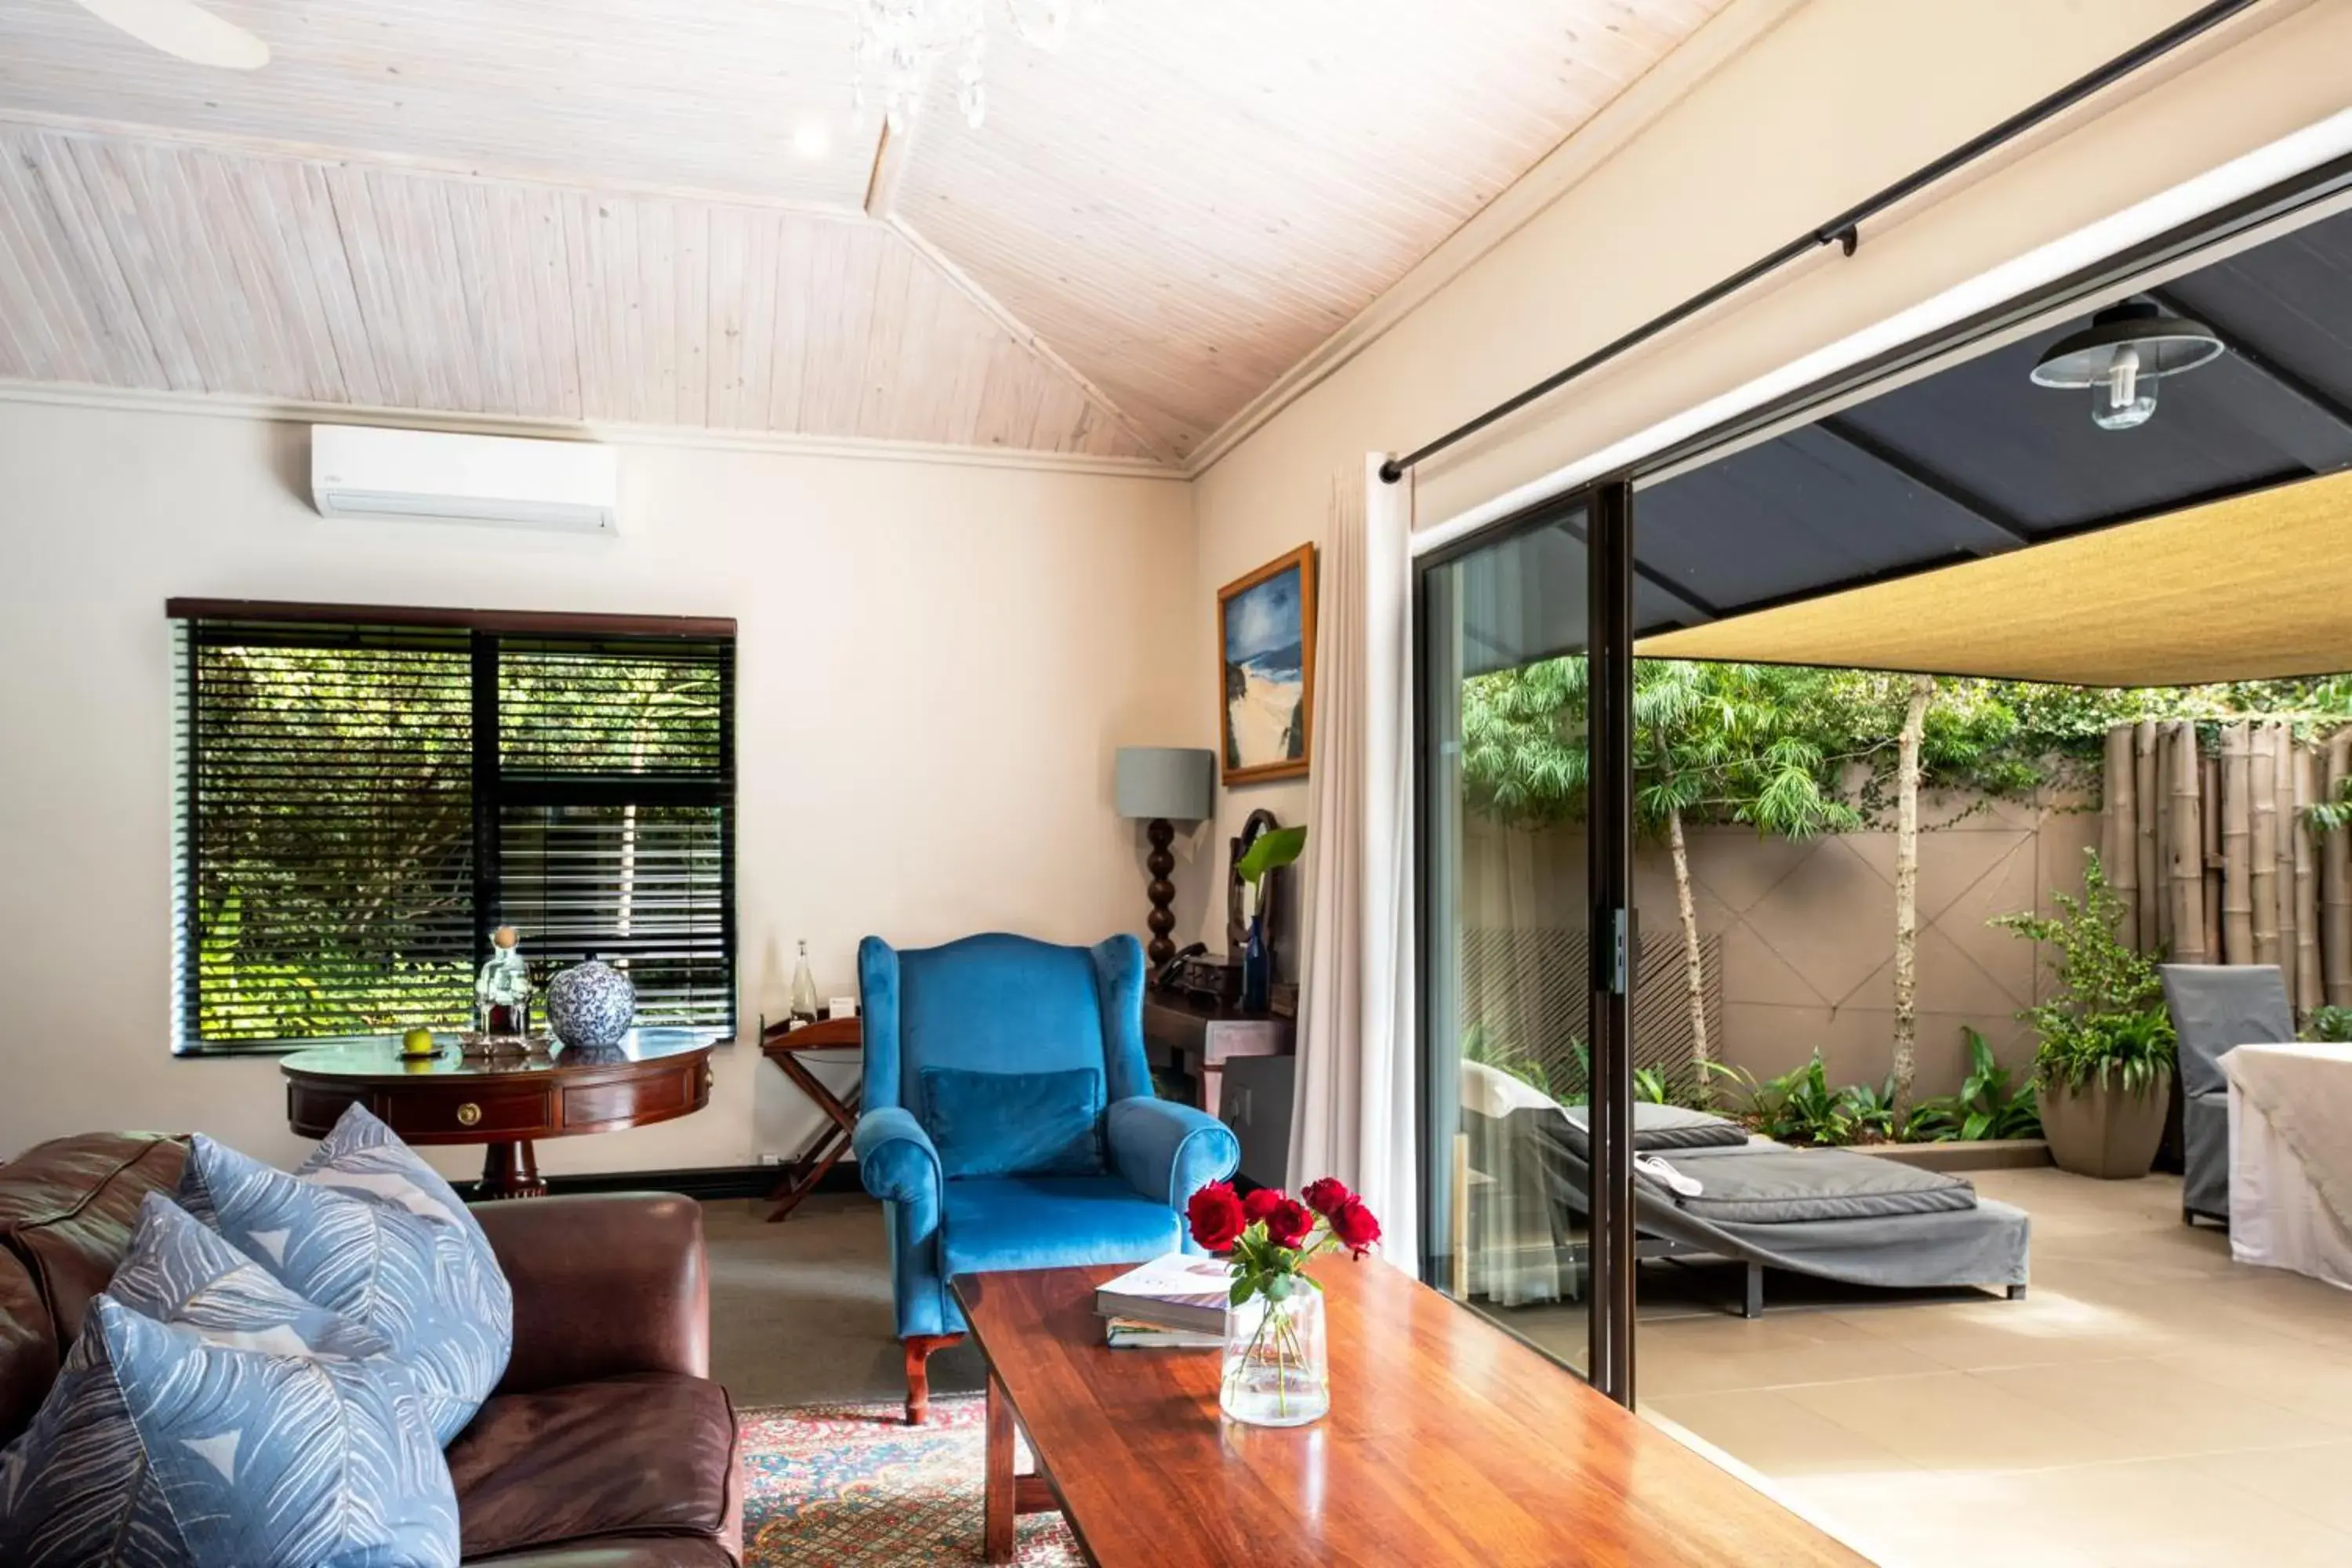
column 966, row 646
column 936, row 664
column 1841, row 99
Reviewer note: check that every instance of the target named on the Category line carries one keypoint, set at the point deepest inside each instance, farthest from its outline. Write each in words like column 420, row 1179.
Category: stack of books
column 1176, row 1302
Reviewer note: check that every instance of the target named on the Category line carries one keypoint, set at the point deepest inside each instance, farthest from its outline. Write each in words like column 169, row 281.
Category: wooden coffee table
column 1448, row 1442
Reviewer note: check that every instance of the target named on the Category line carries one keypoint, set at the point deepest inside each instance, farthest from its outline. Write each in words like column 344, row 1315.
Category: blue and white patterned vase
column 590, row 1006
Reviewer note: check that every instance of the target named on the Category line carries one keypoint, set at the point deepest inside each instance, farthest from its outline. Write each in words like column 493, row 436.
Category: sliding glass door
column 1506, row 929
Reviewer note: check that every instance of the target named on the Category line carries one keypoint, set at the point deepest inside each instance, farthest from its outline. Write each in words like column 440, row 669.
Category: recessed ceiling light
column 813, row 139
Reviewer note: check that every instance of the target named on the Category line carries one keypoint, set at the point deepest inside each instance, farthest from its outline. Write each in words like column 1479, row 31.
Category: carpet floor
column 853, row 1485
column 800, row 1313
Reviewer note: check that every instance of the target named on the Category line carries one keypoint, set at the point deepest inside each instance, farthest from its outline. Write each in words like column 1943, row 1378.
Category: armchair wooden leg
column 919, row 1373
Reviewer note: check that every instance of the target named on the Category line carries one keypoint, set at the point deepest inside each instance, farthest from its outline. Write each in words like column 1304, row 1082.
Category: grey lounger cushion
column 1987, row 1243
column 1765, row 1184
column 1658, row 1129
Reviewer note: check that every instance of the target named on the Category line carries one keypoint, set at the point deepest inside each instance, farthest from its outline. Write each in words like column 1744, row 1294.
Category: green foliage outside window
column 332, row 833
column 1809, row 732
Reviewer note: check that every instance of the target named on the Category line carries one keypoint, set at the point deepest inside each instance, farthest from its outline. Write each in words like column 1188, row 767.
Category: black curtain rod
column 1845, row 229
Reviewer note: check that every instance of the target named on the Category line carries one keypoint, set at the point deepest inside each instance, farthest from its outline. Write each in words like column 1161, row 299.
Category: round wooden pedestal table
column 651, row 1076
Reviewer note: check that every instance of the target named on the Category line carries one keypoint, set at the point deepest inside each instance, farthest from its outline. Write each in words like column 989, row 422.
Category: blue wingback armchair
column 1009, row 1122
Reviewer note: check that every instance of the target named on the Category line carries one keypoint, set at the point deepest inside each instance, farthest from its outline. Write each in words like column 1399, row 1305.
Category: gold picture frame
column 1265, row 671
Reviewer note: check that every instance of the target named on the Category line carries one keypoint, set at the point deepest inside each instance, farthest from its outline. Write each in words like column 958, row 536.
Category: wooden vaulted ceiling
column 606, row 211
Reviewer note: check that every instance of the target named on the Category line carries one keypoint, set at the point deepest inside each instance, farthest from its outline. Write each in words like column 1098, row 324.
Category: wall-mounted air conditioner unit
column 358, row 470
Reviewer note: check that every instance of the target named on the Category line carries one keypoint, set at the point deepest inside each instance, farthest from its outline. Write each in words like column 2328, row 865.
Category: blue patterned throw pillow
column 427, row 1284
column 178, row 1271
column 236, row 1426
column 363, row 1155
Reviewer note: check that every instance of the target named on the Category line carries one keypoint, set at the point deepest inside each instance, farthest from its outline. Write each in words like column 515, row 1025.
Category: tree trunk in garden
column 2309, row 992
column 2262, row 880
column 2290, row 914
column 2335, row 883
column 2185, row 843
column 1907, row 892
column 1693, row 971
column 2120, row 853
column 2237, row 846
column 2147, row 878
column 2212, row 791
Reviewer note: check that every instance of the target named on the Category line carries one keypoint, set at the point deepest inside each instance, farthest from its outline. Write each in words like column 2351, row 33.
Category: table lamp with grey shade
column 1161, row 785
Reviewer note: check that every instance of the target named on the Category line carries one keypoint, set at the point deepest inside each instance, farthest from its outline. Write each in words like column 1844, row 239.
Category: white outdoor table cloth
column 2291, row 1158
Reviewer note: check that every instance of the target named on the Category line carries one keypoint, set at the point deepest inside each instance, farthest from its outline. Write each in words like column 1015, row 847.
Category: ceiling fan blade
column 184, row 29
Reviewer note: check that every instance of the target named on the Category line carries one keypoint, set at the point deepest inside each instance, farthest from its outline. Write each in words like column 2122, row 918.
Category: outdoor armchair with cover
column 2214, row 1008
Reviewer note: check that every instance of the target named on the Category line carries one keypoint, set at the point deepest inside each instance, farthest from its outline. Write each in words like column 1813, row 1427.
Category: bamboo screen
column 2211, row 849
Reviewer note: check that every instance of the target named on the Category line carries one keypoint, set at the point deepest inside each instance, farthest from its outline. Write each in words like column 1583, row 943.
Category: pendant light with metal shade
column 2121, row 356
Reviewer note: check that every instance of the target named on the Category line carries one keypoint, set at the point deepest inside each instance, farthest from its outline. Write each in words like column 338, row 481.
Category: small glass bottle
column 803, row 997
column 502, row 991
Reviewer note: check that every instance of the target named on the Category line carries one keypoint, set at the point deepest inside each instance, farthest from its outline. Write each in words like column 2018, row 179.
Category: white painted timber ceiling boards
column 1189, row 198
column 161, row 265
column 684, row 94
column 596, row 210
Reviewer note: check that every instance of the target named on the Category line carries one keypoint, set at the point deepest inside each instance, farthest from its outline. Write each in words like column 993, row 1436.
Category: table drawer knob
column 469, row 1114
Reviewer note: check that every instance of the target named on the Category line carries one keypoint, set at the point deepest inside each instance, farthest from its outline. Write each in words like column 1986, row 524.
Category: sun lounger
column 1830, row 1213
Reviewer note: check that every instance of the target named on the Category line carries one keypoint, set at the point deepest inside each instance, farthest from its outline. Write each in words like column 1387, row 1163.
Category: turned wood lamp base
column 1160, row 891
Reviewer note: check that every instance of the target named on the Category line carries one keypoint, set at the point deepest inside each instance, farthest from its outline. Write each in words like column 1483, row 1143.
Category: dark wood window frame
column 495, row 789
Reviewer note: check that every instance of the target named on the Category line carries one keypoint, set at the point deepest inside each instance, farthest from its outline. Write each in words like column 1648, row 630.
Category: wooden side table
column 504, row 1105
column 1201, row 1037
column 786, row 1046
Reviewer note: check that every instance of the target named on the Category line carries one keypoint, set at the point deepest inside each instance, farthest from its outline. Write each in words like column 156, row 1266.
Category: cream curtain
column 1353, row 1113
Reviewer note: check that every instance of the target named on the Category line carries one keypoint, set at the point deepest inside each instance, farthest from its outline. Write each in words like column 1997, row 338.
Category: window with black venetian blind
column 366, row 794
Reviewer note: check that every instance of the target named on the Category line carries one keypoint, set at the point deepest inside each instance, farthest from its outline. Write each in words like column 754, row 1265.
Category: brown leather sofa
column 606, row 1444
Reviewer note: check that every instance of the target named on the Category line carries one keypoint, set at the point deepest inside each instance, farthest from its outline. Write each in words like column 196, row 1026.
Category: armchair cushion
column 1052, row 1222
column 1044, row 1123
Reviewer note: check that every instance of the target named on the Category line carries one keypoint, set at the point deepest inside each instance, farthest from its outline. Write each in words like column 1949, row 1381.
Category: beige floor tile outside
column 2149, row 1402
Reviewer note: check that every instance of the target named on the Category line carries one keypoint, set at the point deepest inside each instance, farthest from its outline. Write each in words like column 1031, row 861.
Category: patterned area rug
column 852, row 1485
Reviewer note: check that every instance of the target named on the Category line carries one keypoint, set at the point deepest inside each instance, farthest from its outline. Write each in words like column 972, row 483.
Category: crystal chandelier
column 898, row 41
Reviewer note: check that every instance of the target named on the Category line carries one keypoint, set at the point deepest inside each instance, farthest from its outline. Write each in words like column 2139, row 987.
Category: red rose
column 1326, row 1195
column 1290, row 1224
column 1261, row 1203
column 1353, row 1224
column 1216, row 1216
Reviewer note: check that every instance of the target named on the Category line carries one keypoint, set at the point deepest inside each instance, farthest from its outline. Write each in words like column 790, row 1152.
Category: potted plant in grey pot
column 2103, row 1067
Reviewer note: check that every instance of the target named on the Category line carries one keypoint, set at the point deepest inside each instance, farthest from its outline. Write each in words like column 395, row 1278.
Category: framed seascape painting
column 1265, row 641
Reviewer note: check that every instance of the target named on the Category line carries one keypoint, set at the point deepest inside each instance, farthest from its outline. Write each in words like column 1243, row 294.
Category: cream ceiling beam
column 447, row 168
column 891, row 152
column 894, row 148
